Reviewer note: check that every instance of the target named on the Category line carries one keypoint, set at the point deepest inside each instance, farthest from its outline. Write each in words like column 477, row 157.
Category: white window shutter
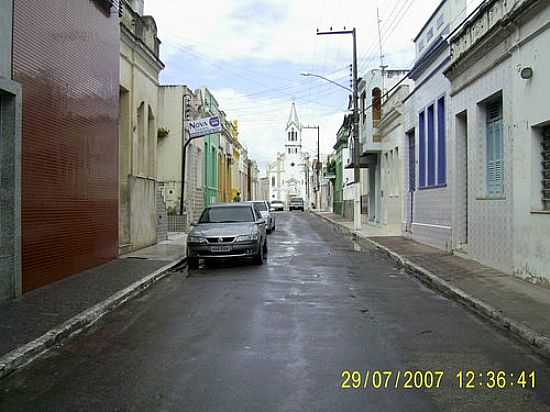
column 495, row 152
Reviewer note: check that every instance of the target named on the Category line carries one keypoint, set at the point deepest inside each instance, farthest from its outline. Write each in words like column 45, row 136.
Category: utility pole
column 356, row 145
column 185, row 118
column 317, row 195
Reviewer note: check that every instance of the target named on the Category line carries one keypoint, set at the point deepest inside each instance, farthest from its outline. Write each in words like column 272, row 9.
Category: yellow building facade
column 235, row 170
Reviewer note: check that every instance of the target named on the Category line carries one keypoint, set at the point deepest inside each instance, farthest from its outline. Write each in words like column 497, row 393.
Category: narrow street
column 239, row 337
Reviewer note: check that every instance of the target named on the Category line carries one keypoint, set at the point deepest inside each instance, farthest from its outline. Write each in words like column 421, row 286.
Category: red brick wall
column 66, row 56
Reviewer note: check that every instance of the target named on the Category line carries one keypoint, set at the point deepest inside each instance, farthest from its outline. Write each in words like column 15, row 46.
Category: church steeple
column 293, row 118
column 293, row 133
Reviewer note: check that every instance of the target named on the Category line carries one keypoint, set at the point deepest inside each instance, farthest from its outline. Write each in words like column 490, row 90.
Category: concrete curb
column 527, row 335
column 27, row 353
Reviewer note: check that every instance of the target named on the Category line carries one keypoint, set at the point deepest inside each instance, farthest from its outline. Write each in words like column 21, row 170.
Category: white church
column 289, row 172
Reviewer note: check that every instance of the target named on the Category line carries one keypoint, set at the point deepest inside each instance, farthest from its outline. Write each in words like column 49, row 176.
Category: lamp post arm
column 328, row 80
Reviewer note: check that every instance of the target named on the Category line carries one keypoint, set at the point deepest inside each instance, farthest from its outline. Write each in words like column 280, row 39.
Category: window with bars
column 546, row 168
column 495, row 149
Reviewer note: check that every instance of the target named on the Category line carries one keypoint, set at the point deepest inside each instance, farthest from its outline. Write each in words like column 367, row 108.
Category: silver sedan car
column 228, row 230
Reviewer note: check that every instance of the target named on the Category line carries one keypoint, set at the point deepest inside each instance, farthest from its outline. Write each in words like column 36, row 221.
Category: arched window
column 273, row 181
column 376, row 106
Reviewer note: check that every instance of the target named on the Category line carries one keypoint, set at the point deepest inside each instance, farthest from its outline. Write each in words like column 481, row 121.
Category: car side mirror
column 260, row 222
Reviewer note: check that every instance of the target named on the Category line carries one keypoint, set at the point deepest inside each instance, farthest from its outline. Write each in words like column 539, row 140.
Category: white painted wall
column 391, row 165
column 511, row 234
column 432, row 207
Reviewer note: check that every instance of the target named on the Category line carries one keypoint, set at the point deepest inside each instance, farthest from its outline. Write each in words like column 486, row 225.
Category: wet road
column 278, row 337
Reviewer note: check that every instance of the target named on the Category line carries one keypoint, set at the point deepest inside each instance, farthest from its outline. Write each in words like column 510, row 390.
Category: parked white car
column 263, row 207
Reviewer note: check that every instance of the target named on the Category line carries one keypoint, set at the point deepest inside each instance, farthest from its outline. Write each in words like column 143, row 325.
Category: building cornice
column 137, row 44
column 429, row 20
column 389, row 118
column 429, row 56
column 484, row 32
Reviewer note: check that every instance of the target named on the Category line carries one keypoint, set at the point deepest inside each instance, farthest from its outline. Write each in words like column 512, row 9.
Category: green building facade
column 211, row 182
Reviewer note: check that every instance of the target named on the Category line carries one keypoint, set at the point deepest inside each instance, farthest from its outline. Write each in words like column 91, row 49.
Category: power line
column 290, row 91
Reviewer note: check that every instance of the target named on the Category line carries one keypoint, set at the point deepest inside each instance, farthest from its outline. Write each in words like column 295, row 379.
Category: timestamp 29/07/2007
column 434, row 379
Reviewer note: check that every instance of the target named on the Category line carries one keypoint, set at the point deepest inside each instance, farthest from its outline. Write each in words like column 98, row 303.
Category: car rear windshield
column 227, row 215
column 260, row 206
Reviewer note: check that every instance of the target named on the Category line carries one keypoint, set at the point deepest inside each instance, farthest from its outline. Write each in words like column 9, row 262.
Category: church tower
column 288, row 173
column 293, row 134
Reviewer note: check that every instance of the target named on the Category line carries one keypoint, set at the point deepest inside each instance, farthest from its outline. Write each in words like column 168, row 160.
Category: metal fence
column 177, row 223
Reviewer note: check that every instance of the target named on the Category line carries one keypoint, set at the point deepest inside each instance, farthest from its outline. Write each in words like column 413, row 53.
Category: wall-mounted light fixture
column 526, row 73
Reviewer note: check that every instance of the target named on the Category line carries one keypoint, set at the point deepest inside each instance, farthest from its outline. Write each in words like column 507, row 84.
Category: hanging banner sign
column 202, row 127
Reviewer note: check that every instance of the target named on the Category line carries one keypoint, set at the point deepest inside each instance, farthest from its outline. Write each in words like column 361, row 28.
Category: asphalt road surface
column 279, row 337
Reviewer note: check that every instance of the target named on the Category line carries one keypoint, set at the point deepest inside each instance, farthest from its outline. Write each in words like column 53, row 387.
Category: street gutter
column 24, row 355
column 540, row 343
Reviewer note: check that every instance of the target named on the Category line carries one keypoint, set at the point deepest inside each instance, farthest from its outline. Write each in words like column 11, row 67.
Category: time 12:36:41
column 471, row 379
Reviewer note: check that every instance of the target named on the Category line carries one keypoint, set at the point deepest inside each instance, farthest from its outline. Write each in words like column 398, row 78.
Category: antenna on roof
column 382, row 66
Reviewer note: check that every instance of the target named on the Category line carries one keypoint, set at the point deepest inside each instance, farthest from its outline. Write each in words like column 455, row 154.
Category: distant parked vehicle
column 229, row 230
column 296, row 203
column 277, row 206
column 262, row 206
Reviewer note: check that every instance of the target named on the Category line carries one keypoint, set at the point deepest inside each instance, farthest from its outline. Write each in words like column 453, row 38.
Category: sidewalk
column 509, row 302
column 43, row 317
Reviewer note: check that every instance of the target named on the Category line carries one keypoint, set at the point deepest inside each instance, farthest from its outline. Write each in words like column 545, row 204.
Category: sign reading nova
column 202, row 127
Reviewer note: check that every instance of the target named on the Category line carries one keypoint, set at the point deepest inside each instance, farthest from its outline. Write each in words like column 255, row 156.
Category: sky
column 250, row 54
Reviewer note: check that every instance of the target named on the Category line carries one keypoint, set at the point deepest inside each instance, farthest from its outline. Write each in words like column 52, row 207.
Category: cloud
column 250, row 53
column 285, row 30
